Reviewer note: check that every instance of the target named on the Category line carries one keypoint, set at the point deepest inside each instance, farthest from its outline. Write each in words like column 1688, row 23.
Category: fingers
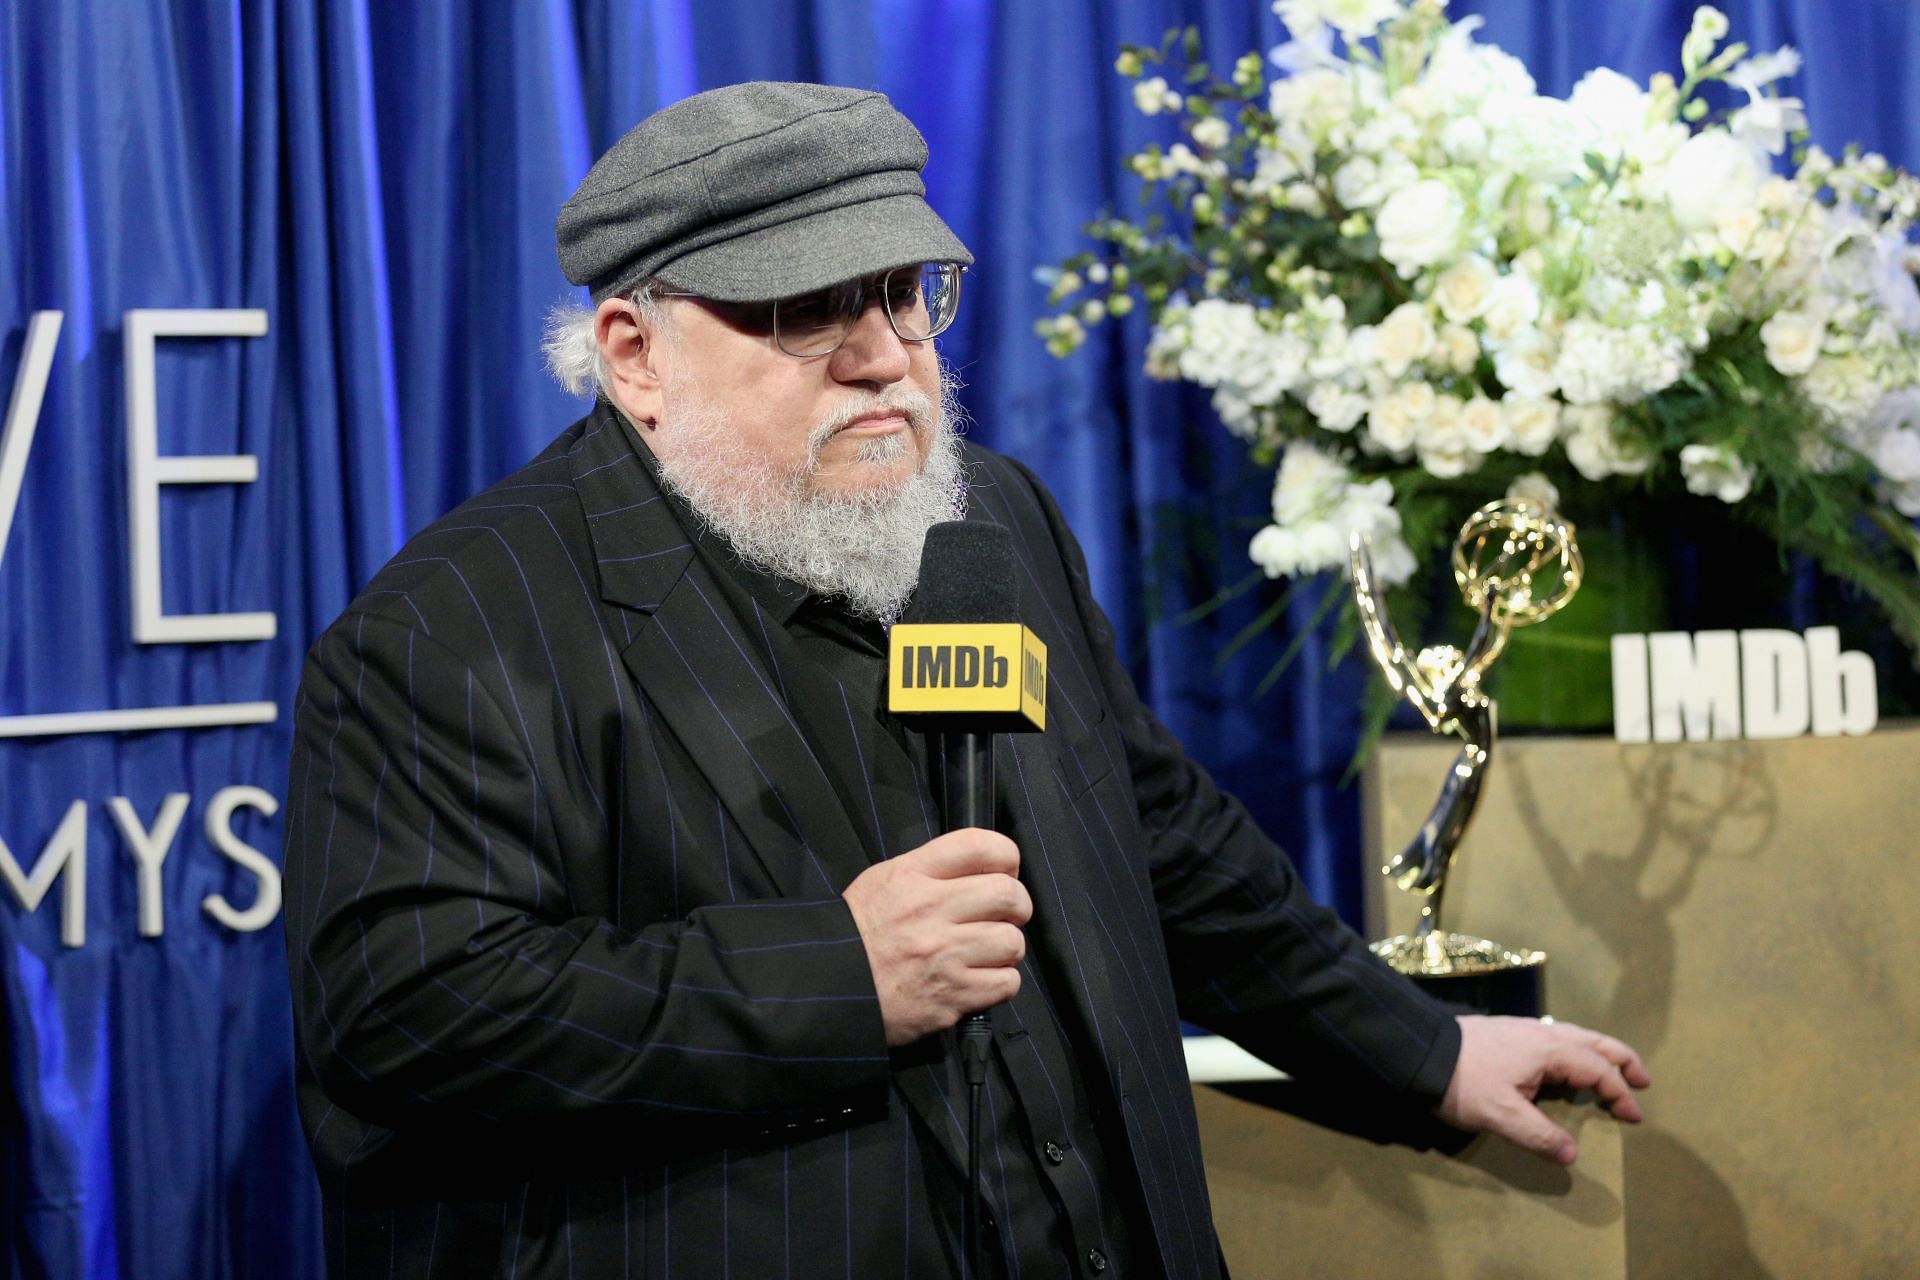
column 941, row 926
column 1527, row 1126
column 1622, row 1055
column 1584, row 1067
column 987, row 897
column 990, row 946
column 1623, row 1072
column 968, row 852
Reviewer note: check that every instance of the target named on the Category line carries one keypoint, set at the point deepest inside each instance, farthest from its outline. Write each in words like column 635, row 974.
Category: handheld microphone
column 965, row 670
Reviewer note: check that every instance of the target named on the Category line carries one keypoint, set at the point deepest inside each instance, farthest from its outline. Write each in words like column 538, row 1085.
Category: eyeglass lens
column 920, row 300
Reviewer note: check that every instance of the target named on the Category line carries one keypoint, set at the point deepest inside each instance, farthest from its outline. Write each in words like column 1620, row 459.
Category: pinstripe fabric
column 576, row 991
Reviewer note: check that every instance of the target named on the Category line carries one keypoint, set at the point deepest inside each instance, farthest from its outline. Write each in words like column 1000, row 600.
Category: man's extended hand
column 942, row 928
column 1505, row 1062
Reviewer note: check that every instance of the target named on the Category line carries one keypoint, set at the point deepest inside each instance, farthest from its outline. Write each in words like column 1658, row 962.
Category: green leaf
column 1335, row 591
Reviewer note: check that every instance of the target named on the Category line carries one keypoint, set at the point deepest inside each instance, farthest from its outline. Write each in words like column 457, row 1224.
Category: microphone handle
column 966, row 779
column 965, row 768
column 966, row 798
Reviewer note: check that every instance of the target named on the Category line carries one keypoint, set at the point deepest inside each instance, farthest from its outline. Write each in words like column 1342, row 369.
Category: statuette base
column 1461, row 969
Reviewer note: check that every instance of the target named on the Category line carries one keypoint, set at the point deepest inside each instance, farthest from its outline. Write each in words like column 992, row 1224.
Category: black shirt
column 1062, row 1197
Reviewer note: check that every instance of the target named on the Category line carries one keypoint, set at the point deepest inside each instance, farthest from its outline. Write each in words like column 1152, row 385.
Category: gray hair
column 573, row 350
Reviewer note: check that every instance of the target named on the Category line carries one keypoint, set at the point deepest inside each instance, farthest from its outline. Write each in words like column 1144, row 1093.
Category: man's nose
column 873, row 352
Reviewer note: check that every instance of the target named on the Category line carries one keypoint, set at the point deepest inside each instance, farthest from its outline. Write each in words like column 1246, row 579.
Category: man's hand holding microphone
column 942, row 926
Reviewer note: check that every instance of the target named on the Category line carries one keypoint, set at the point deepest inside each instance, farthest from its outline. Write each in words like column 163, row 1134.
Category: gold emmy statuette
column 1516, row 562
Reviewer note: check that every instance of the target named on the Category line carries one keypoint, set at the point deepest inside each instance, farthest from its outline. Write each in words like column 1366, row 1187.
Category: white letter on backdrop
column 150, row 849
column 147, row 471
column 1630, row 720
column 1773, row 681
column 65, row 851
column 1696, row 682
column 1845, row 697
column 23, row 412
column 266, row 903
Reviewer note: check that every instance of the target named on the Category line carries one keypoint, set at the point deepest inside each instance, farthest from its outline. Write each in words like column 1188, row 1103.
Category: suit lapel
column 820, row 804
column 1091, row 925
column 698, row 655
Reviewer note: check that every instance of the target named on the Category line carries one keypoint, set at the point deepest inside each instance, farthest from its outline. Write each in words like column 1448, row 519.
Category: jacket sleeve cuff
column 1430, row 1079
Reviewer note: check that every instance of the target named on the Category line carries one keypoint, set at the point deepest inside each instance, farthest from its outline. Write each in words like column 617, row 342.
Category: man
column 622, row 938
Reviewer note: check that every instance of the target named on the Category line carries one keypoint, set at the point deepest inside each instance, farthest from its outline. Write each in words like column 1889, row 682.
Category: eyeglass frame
column 869, row 285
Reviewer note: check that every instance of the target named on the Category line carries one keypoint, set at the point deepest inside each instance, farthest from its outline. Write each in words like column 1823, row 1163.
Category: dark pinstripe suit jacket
column 576, row 990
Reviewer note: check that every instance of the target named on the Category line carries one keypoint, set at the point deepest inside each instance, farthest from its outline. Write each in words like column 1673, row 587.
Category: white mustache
column 917, row 406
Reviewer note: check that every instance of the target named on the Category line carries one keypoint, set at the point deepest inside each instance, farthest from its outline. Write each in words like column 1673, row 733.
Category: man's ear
column 629, row 347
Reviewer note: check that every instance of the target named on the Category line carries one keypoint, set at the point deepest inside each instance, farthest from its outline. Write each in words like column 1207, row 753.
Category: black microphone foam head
column 967, row 574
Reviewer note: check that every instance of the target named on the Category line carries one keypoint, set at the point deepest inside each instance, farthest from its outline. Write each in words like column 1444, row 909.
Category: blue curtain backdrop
column 381, row 179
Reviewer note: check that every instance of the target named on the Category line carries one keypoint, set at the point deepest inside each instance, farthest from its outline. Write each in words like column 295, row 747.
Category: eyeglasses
column 920, row 302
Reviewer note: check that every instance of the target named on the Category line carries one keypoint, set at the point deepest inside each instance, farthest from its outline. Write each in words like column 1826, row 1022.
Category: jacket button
column 1056, row 1154
column 1096, row 1261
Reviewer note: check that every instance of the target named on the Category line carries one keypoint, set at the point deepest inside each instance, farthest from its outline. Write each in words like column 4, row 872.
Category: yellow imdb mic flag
column 993, row 670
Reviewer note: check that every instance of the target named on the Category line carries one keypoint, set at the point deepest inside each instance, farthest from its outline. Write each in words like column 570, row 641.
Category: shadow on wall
column 1683, row 1222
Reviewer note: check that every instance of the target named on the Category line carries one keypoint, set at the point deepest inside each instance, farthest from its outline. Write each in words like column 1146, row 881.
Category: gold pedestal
column 1292, row 1199
column 1742, row 913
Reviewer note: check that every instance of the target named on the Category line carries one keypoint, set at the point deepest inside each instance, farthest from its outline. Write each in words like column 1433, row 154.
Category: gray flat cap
column 753, row 192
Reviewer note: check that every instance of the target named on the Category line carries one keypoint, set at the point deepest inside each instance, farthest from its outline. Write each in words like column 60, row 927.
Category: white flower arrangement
column 1413, row 280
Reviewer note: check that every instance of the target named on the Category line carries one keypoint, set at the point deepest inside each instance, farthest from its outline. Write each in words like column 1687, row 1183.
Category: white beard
column 861, row 547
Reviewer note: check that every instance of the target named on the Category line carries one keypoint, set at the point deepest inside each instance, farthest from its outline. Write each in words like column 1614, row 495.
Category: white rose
column 1537, row 489
column 1712, row 176
column 1525, row 366
column 1441, row 428
column 1513, row 305
column 1276, row 551
column 1419, row 225
column 1458, row 347
column 1356, row 184
column 1308, row 484
column 1393, row 562
column 1842, row 387
column 1464, row 290
column 1389, row 425
column 1302, row 197
column 1792, row 340
column 1449, row 460
column 1897, row 455
column 1419, row 400
column 1406, row 335
column 1532, row 423
column 1716, row 470
column 1595, row 449
column 1483, row 425
column 1336, row 408
column 1464, row 139
column 1321, row 546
